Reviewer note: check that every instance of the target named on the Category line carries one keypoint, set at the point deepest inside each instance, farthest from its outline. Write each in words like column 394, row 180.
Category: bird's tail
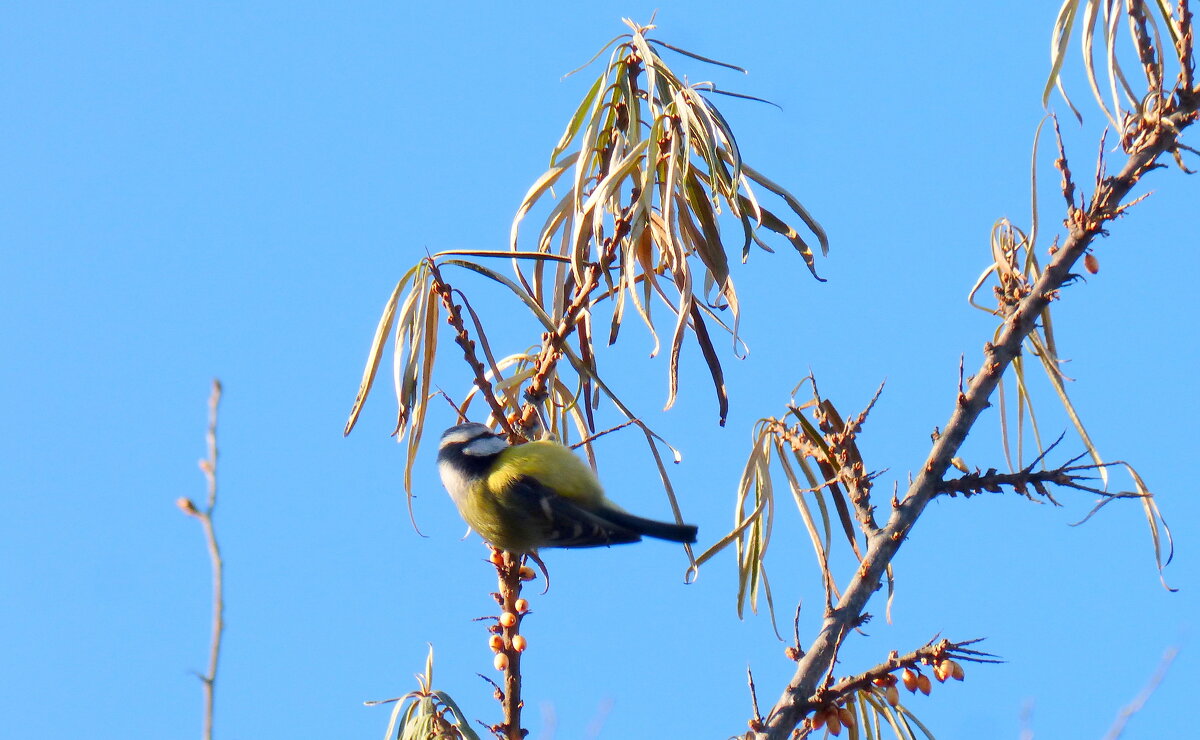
column 651, row 528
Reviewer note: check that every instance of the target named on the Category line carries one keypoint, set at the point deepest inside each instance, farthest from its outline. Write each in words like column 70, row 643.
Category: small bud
column 205, row 466
column 521, row 606
column 186, row 506
column 956, row 671
column 508, row 619
column 1091, row 263
column 834, row 722
column 941, row 671
column 500, row 661
column 847, row 717
column 958, row 463
column 496, row 643
column 791, row 652
column 892, row 694
column 924, row 684
column 527, row 573
column 519, row 643
column 909, row 678
column 885, row 680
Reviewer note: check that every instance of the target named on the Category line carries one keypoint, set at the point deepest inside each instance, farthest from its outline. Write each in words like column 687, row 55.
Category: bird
column 539, row 494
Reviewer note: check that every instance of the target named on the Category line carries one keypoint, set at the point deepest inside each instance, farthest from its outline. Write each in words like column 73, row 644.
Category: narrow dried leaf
column 585, row 107
column 742, row 520
column 428, row 344
column 819, row 547
column 535, row 192
column 693, row 55
column 1059, row 40
column 461, row 722
column 1050, row 364
column 714, row 364
column 382, row 330
column 829, row 468
column 792, row 203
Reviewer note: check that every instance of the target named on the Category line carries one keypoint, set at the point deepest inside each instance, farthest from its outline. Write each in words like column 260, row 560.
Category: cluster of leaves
column 1102, row 21
column 825, row 474
column 426, row 714
column 648, row 169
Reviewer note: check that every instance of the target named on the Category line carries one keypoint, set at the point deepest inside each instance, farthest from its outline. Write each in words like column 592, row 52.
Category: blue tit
column 539, row 494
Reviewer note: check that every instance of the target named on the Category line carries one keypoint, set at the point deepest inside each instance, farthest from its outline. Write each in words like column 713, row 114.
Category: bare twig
column 1118, row 726
column 1069, row 475
column 209, row 467
column 756, row 722
column 929, row 654
column 463, row 339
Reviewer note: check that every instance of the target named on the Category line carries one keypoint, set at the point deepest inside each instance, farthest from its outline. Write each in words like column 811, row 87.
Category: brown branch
column 1183, row 48
column 942, row 656
column 1084, row 227
column 1068, row 475
column 209, row 467
column 511, row 644
column 552, row 344
column 930, row 654
column 463, row 338
column 1145, row 45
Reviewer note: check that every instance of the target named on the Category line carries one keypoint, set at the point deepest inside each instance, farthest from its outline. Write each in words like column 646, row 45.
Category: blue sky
column 199, row 190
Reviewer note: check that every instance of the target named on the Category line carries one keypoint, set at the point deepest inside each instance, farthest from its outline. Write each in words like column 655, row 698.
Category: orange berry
column 497, row 558
column 956, row 671
column 527, row 573
column 791, row 652
column 521, row 606
column 500, row 661
column 909, row 677
column 508, row 619
column 519, row 643
column 818, row 720
column 1091, row 263
column 496, row 643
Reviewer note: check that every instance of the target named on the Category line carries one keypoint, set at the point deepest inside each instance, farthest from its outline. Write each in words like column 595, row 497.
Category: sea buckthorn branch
column 1145, row 141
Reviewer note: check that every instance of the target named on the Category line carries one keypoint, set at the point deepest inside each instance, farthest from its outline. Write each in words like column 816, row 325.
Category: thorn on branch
column 1068, row 476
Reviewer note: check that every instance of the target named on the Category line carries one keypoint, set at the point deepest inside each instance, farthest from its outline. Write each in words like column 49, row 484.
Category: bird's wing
column 562, row 523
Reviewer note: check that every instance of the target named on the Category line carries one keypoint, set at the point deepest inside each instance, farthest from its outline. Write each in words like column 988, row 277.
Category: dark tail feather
column 650, row 528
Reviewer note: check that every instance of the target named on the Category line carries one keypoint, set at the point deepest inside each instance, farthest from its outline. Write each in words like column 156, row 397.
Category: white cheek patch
column 457, row 484
column 485, row 446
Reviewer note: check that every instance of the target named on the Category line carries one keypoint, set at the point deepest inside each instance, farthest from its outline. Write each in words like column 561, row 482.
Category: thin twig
column 209, row 467
column 1133, row 707
column 463, row 339
column 930, row 654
